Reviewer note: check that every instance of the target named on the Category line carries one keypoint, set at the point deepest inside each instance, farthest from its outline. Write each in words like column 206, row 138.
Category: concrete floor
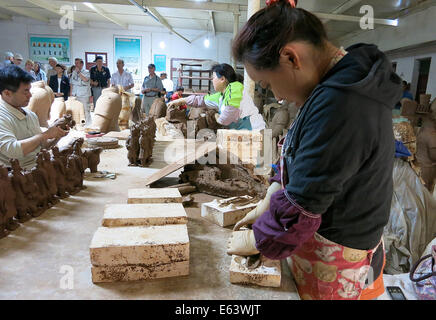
column 32, row 257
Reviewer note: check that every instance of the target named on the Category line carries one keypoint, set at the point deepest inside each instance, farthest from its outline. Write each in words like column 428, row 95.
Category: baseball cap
column 18, row 56
column 8, row 54
column 151, row 66
column 54, row 59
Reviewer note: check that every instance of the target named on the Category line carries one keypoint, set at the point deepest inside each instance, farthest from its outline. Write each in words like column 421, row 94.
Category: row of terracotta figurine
column 25, row 194
column 141, row 142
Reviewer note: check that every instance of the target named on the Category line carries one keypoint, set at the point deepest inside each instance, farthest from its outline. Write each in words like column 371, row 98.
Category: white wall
column 100, row 37
column 408, row 69
column 413, row 30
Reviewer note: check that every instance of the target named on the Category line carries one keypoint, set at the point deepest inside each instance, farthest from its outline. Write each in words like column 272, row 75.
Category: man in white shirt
column 168, row 85
column 81, row 87
column 122, row 77
column 21, row 137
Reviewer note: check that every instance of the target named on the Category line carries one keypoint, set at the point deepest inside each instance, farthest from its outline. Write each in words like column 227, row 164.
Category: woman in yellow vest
column 227, row 99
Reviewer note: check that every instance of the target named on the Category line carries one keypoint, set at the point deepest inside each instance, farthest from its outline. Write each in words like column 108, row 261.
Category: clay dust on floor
column 47, row 255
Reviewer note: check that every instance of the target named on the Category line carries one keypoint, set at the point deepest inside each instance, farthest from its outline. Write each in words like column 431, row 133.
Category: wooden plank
column 154, row 195
column 154, row 214
column 139, row 272
column 199, row 152
column 140, row 245
column 122, row 135
column 267, row 274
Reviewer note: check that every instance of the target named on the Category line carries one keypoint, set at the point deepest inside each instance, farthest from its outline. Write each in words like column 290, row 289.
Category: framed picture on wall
column 160, row 61
column 129, row 50
column 42, row 47
column 90, row 58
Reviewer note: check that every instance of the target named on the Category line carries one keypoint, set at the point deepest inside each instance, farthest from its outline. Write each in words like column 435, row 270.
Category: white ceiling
column 180, row 19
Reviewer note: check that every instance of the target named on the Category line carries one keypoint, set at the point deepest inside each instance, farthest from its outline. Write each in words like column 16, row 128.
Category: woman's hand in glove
column 177, row 103
column 252, row 216
column 242, row 243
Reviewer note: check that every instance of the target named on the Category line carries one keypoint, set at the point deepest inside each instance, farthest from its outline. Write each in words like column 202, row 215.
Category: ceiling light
column 162, row 45
column 206, row 43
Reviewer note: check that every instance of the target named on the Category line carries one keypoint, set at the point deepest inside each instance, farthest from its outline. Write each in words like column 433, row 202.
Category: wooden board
column 155, row 214
column 267, row 274
column 191, row 156
column 122, row 135
column 139, row 272
column 154, row 195
column 139, row 245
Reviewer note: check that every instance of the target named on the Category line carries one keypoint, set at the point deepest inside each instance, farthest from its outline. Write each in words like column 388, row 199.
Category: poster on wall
column 160, row 61
column 129, row 50
column 43, row 47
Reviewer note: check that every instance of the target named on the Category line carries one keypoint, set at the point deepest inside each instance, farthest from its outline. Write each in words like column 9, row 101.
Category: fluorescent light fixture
column 89, row 5
column 206, row 43
column 162, row 45
column 396, row 22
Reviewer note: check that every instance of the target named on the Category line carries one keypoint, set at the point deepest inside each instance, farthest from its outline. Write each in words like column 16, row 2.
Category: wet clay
column 21, row 188
column 51, row 172
column 7, row 204
column 92, row 158
column 64, row 122
column 225, row 180
column 141, row 142
column 73, row 176
column 59, row 166
column 40, row 175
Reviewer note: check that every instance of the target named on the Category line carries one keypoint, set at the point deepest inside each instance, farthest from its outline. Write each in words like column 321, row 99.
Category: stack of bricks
column 144, row 239
column 247, row 145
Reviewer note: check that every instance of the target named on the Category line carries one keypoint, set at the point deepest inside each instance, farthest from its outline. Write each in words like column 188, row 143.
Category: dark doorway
column 424, row 71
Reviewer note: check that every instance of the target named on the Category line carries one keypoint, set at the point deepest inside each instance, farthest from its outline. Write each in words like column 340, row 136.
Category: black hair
column 260, row 40
column 61, row 66
column 180, row 89
column 225, row 70
column 11, row 77
column 151, row 65
column 240, row 77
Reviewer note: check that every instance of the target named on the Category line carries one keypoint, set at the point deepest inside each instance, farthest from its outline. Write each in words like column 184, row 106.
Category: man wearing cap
column 9, row 59
column 18, row 58
column 151, row 87
column 81, row 87
column 122, row 77
column 52, row 61
column 21, row 137
column 100, row 78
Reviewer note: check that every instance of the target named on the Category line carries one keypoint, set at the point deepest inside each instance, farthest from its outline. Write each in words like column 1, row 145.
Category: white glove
column 242, row 243
column 252, row 216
